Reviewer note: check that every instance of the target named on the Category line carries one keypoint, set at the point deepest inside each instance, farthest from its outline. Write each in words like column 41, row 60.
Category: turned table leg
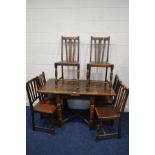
column 59, row 111
column 92, row 107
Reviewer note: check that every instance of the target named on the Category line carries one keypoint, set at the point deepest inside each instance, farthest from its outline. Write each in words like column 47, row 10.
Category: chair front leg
column 78, row 76
column 88, row 76
column 62, row 72
column 56, row 74
column 111, row 76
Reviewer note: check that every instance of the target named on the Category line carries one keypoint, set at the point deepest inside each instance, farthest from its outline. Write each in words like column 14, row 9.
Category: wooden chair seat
column 66, row 63
column 106, row 113
column 100, row 64
column 44, row 107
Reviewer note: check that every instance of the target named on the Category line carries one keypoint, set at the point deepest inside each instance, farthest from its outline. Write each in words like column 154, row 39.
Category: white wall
column 47, row 20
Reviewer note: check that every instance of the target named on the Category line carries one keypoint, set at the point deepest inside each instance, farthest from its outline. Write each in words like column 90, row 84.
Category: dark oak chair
column 69, row 56
column 112, row 113
column 99, row 57
column 41, row 106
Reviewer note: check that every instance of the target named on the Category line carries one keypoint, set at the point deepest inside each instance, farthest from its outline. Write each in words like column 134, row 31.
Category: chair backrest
column 70, row 49
column 41, row 79
column 41, row 82
column 115, row 83
column 115, row 87
column 121, row 97
column 31, row 88
column 99, row 49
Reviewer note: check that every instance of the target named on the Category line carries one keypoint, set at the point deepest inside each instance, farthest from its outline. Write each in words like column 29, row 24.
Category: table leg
column 59, row 111
column 92, row 107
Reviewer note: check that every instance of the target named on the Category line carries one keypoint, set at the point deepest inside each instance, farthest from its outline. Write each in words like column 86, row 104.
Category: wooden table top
column 69, row 87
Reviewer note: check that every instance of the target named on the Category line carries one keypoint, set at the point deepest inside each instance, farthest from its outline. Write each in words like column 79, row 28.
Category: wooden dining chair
column 99, row 57
column 112, row 113
column 38, row 105
column 69, row 56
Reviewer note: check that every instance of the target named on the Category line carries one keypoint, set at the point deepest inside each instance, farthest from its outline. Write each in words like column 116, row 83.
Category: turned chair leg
column 88, row 77
column 56, row 74
column 89, row 74
column 62, row 72
column 78, row 76
column 111, row 76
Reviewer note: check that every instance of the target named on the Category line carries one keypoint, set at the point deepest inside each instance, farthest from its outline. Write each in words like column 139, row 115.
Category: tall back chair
column 99, row 56
column 69, row 56
column 112, row 113
column 41, row 106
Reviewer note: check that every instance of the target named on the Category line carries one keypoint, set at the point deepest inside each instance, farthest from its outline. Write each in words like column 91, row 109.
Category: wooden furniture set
column 114, row 95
